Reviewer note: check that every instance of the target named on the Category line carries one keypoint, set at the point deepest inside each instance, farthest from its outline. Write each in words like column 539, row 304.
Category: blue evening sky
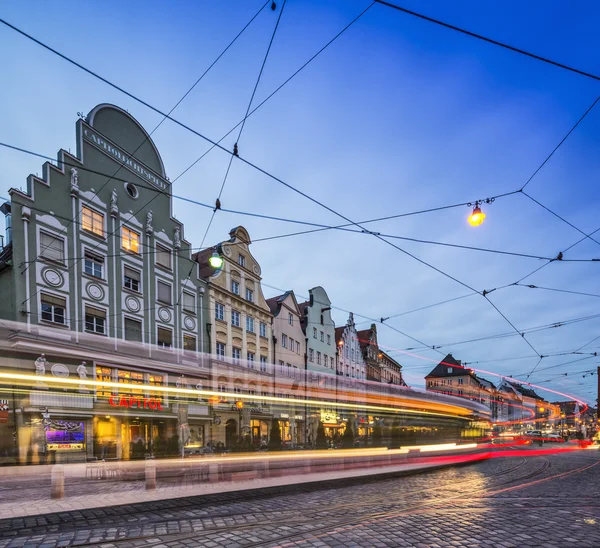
column 397, row 115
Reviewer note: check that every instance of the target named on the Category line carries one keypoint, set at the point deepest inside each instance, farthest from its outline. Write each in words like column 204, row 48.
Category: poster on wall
column 3, row 411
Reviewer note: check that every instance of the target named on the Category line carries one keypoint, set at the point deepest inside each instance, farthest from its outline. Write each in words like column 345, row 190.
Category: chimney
column 6, row 209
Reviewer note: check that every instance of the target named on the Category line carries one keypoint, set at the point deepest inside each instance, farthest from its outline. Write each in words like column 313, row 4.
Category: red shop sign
column 136, row 401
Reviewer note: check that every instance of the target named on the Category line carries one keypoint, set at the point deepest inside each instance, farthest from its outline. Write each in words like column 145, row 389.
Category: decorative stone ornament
column 177, row 238
column 149, row 229
column 40, row 370
column 113, row 203
column 74, row 182
column 82, row 372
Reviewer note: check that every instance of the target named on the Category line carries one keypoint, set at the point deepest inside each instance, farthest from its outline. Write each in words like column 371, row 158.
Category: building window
column 163, row 292
column 189, row 302
column 222, row 384
column 328, row 339
column 131, row 279
column 291, row 344
column 92, row 221
column 460, row 381
column 132, row 190
column 53, row 309
column 314, row 332
column 281, row 366
column 284, row 340
column 103, row 374
column 297, row 347
column 325, row 360
column 318, row 358
column 249, row 295
column 263, row 363
column 156, row 381
column 241, row 260
column 289, row 369
column 290, row 318
column 235, row 288
column 130, row 377
column 95, row 320
column 449, row 370
column 133, row 330
column 189, row 343
column 93, row 265
column 52, row 247
column 165, row 337
column 220, row 350
column 250, row 324
column 311, row 355
column 236, row 353
column 163, row 256
column 251, row 360
column 322, row 336
column 263, row 329
column 219, row 312
column 130, row 240
column 235, row 318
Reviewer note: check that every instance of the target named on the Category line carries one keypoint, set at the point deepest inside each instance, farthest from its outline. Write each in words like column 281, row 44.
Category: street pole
column 305, row 391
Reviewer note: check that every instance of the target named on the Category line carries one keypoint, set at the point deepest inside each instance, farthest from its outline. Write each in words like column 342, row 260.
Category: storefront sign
column 124, row 159
column 136, row 401
column 65, row 447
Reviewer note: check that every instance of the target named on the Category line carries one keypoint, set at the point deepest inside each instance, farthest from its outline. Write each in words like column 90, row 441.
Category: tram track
column 294, row 520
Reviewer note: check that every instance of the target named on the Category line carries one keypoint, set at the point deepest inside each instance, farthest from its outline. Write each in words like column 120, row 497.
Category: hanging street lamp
column 216, row 261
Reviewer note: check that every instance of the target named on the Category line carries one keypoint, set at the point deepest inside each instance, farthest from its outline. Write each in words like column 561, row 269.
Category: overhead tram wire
column 489, row 40
column 278, row 88
column 165, row 116
column 218, row 200
column 531, row 286
column 271, row 176
column 235, row 153
column 321, row 227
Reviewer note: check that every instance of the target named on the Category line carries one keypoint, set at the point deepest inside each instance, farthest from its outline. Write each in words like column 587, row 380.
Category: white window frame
column 91, row 230
column 250, row 356
column 94, row 260
column 242, row 260
column 250, row 324
column 249, row 295
column 188, row 294
column 263, row 363
column 164, row 328
column 220, row 346
column 139, row 281
column 133, row 319
column 314, row 332
column 235, row 314
column 165, row 250
column 139, row 240
column 290, row 318
column 235, row 287
column 65, row 310
column 236, row 359
column 85, row 322
column 42, row 248
column 263, row 329
column 170, row 301
column 219, row 308
column 190, row 336
column 311, row 355
column 284, row 339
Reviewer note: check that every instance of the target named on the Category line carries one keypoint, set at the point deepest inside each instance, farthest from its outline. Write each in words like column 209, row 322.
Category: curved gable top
column 124, row 130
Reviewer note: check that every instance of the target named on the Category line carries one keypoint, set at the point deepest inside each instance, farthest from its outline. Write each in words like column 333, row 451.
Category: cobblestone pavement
column 549, row 501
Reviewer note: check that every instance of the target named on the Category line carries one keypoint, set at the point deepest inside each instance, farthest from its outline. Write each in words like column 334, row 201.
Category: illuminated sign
column 138, row 402
column 65, row 447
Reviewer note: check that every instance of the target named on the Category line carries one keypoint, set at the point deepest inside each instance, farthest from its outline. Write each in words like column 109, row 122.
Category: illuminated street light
column 477, row 217
column 216, row 261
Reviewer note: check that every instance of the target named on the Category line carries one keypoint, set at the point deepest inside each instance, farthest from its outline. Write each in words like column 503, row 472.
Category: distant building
column 240, row 337
column 370, row 351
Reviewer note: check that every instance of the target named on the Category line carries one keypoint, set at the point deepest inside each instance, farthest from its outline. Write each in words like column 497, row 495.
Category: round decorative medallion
column 164, row 314
column 227, row 250
column 132, row 304
column 189, row 323
column 53, row 277
column 60, row 370
column 256, row 270
column 94, row 291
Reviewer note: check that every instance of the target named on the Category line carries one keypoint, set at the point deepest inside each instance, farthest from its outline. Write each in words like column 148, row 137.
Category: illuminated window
column 92, row 221
column 156, row 380
column 130, row 377
column 104, row 374
column 130, row 240
column 189, row 343
column 52, row 247
column 163, row 256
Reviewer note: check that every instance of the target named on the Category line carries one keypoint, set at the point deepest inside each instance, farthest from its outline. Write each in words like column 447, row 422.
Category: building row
column 99, row 283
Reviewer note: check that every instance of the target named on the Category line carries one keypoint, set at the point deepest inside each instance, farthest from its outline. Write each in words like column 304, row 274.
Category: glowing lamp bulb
column 477, row 217
column 216, row 261
column 239, row 404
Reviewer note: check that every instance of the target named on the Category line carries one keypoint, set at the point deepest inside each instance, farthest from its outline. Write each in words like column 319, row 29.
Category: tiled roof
column 206, row 271
column 338, row 333
column 364, row 336
column 524, row 390
column 485, row 383
column 442, row 368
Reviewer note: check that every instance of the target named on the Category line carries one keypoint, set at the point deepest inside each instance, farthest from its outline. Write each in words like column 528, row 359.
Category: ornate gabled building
column 240, row 338
column 95, row 272
column 350, row 362
column 370, row 351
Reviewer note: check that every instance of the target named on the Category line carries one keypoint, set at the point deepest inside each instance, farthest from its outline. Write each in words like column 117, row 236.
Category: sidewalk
column 32, row 497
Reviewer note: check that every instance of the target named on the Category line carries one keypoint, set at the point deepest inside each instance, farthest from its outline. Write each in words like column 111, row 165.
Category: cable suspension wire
column 489, row 40
column 531, row 286
column 235, row 149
